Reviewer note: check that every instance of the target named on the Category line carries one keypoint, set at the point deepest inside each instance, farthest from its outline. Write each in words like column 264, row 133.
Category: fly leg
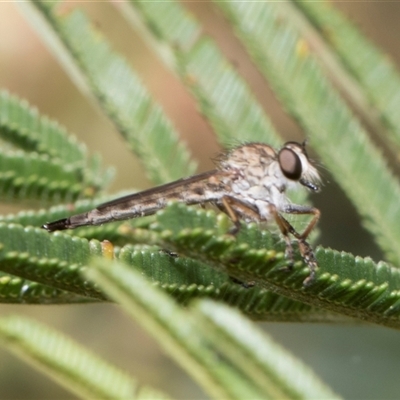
column 305, row 249
column 286, row 228
column 235, row 208
column 296, row 209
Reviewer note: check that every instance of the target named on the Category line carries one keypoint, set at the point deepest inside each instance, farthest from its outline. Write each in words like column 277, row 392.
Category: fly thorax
column 241, row 185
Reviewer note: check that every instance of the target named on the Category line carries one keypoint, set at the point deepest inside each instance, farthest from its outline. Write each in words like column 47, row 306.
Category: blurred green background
column 357, row 361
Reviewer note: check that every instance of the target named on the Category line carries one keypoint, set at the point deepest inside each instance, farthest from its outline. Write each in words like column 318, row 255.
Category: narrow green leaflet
column 14, row 290
column 183, row 278
column 223, row 97
column 183, row 335
column 259, row 357
column 50, row 259
column 375, row 72
column 26, row 176
column 353, row 286
column 118, row 91
column 68, row 363
column 176, row 331
column 50, row 165
column 22, row 126
column 356, row 164
column 187, row 279
column 45, row 265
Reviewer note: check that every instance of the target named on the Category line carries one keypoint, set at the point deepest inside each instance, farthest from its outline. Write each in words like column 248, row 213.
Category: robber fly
column 249, row 183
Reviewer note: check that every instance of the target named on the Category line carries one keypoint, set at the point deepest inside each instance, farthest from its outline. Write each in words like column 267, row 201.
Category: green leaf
column 376, row 74
column 175, row 330
column 222, row 96
column 187, row 279
column 15, row 290
column 353, row 286
column 49, row 259
column 283, row 56
column 32, row 176
column 258, row 357
column 70, row 364
column 117, row 90
column 23, row 126
column 197, row 346
column 56, row 260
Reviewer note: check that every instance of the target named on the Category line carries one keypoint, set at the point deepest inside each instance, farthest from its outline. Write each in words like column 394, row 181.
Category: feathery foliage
column 70, row 364
column 375, row 74
column 119, row 93
column 194, row 340
column 169, row 270
column 41, row 160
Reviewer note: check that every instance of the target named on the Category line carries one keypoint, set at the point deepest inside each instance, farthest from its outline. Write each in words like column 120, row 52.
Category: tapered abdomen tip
column 58, row 225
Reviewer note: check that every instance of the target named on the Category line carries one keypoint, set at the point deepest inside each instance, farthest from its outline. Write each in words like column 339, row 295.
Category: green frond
column 375, row 72
column 187, row 279
column 59, row 258
column 293, row 72
column 188, row 252
column 118, row 91
column 33, row 176
column 175, row 330
column 353, row 286
column 49, row 259
column 201, row 346
column 260, row 359
column 15, row 290
column 73, row 366
column 222, row 95
column 23, row 126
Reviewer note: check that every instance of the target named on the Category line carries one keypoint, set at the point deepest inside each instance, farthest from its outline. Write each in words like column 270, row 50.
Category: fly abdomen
column 72, row 222
column 58, row 225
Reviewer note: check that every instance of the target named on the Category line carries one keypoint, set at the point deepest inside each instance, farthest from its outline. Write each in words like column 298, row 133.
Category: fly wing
column 196, row 189
column 177, row 190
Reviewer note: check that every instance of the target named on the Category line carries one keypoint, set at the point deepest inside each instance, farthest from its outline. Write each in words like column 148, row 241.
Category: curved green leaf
column 175, row 330
column 49, row 259
column 70, row 364
column 15, row 290
column 59, row 258
column 354, row 286
column 375, row 72
column 196, row 342
column 26, row 129
column 33, row 176
column 187, row 279
column 282, row 55
column 259, row 358
column 222, row 95
column 118, row 91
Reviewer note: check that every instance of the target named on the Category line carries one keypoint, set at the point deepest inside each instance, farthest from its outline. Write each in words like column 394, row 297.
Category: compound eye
column 290, row 164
